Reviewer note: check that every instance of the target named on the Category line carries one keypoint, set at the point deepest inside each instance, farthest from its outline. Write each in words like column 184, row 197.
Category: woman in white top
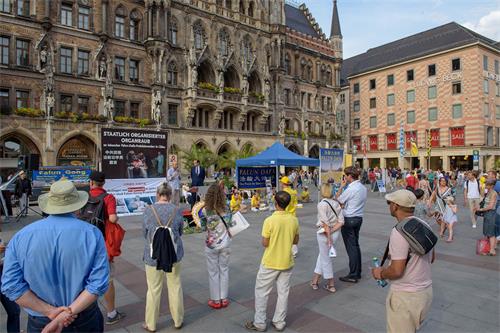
column 330, row 220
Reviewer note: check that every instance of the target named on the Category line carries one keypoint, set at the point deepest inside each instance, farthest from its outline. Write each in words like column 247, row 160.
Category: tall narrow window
column 390, row 80
column 134, row 30
column 65, row 60
column 250, row 9
column 390, row 100
column 172, row 74
column 373, row 84
column 83, row 18
column 83, row 104
column 431, row 70
column 22, row 52
column 119, row 69
column 4, row 50
column 409, row 75
column 247, row 50
column 456, row 111
column 410, row 96
column 199, row 36
column 373, row 122
column 373, row 103
column 66, row 103
column 455, row 64
column 120, row 108
column 355, row 88
column 172, row 114
column 83, row 62
column 134, row 71
column 134, row 110
column 456, row 88
column 5, row 6
column 5, row 103
column 486, row 86
column 23, row 7
column 288, row 65
column 485, row 62
column 223, row 43
column 67, row 14
column 120, row 26
column 432, row 92
column 172, row 31
column 22, row 99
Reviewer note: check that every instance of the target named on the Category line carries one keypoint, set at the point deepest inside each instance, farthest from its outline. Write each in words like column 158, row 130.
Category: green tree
column 206, row 157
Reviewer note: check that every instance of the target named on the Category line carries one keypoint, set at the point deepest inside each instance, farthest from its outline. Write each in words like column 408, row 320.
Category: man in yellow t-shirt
column 279, row 232
column 292, row 206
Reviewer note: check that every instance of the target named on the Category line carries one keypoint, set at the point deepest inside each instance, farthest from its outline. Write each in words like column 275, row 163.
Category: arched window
column 246, row 47
column 242, row 7
column 172, row 31
column 250, row 9
column 120, row 16
column 135, row 20
column 224, row 42
column 288, row 68
column 199, row 36
column 172, row 74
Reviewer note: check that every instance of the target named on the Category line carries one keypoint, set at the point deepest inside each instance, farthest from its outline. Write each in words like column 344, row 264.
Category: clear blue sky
column 369, row 23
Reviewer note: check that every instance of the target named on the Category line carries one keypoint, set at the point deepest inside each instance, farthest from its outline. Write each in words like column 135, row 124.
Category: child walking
column 449, row 218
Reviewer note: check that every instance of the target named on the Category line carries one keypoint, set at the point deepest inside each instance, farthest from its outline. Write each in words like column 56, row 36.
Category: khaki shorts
column 111, row 271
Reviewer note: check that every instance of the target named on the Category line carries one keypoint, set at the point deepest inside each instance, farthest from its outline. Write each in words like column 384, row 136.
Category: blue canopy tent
column 275, row 156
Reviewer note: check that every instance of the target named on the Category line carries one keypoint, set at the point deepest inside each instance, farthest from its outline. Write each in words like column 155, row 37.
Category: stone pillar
column 446, row 163
column 48, row 136
column 423, row 161
column 157, row 25
column 104, row 17
column 382, row 163
column 47, row 8
column 150, row 22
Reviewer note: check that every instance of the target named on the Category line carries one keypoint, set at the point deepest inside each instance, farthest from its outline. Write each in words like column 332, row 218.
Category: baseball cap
column 403, row 198
column 285, row 180
column 97, row 176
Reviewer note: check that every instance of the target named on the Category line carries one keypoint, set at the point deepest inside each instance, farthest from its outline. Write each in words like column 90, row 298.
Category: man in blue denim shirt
column 56, row 268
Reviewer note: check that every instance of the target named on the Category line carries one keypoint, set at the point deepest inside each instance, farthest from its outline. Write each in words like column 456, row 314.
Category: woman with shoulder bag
column 217, row 216
column 330, row 220
column 167, row 264
column 439, row 195
column 488, row 211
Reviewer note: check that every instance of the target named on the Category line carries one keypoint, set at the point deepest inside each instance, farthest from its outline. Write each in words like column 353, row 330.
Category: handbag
column 482, row 246
column 238, row 224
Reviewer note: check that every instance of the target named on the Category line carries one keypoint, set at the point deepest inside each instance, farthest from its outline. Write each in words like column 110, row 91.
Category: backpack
column 162, row 247
column 418, row 234
column 93, row 212
column 478, row 186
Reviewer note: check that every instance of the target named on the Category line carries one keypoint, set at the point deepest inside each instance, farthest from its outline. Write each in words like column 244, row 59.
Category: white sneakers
column 474, row 226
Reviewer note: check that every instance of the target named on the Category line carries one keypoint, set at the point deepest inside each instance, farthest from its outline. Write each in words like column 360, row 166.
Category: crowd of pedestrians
column 77, row 259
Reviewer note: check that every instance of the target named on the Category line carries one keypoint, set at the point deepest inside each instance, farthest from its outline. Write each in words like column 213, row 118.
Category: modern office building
column 438, row 88
column 223, row 74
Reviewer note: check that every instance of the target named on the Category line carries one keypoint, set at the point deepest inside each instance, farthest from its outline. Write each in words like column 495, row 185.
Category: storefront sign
column 45, row 176
column 457, row 136
column 435, row 80
column 130, row 153
column 133, row 195
column 373, row 139
column 491, row 76
column 435, row 137
column 255, row 177
column 411, row 135
column 331, row 162
column 392, row 141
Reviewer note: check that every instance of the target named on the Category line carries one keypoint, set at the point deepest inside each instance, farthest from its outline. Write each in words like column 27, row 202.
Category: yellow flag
column 414, row 149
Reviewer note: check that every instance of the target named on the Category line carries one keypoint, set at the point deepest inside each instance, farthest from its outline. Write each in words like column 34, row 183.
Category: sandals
column 329, row 288
column 314, row 286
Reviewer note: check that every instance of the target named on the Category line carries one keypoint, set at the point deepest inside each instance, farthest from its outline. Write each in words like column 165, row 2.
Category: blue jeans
column 90, row 320
column 12, row 309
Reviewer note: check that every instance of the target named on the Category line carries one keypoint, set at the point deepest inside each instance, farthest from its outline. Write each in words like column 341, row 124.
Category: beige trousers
column 407, row 310
column 473, row 203
column 155, row 279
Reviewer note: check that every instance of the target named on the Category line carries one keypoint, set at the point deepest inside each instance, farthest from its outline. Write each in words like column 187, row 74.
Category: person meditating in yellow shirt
column 305, row 196
column 235, row 203
column 255, row 202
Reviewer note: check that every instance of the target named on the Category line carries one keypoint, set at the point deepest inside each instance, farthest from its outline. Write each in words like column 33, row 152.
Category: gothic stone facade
column 222, row 74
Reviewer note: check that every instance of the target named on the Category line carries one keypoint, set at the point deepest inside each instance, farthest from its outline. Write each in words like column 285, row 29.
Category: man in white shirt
column 352, row 197
column 472, row 195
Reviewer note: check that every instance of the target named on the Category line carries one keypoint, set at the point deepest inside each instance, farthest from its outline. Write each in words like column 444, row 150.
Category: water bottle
column 376, row 263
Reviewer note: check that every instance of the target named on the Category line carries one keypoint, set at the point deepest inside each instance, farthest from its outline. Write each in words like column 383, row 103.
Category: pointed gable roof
column 297, row 20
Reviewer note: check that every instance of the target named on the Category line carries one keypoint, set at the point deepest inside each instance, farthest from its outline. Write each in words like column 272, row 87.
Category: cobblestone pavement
column 466, row 286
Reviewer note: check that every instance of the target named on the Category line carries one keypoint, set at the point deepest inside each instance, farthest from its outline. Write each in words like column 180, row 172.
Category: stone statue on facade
column 267, row 90
column 244, row 85
column 102, row 69
column 281, row 126
column 156, row 107
column 50, row 103
column 220, row 80
column 43, row 58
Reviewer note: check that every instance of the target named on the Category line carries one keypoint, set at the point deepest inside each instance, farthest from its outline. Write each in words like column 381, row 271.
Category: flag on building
column 414, row 148
column 402, row 151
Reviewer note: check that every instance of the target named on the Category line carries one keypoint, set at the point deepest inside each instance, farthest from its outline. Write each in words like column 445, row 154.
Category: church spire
column 335, row 30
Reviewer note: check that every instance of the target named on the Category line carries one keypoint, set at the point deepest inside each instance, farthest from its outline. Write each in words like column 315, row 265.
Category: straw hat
column 63, row 198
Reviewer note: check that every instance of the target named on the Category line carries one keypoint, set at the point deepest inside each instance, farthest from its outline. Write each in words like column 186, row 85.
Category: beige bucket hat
column 63, row 198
